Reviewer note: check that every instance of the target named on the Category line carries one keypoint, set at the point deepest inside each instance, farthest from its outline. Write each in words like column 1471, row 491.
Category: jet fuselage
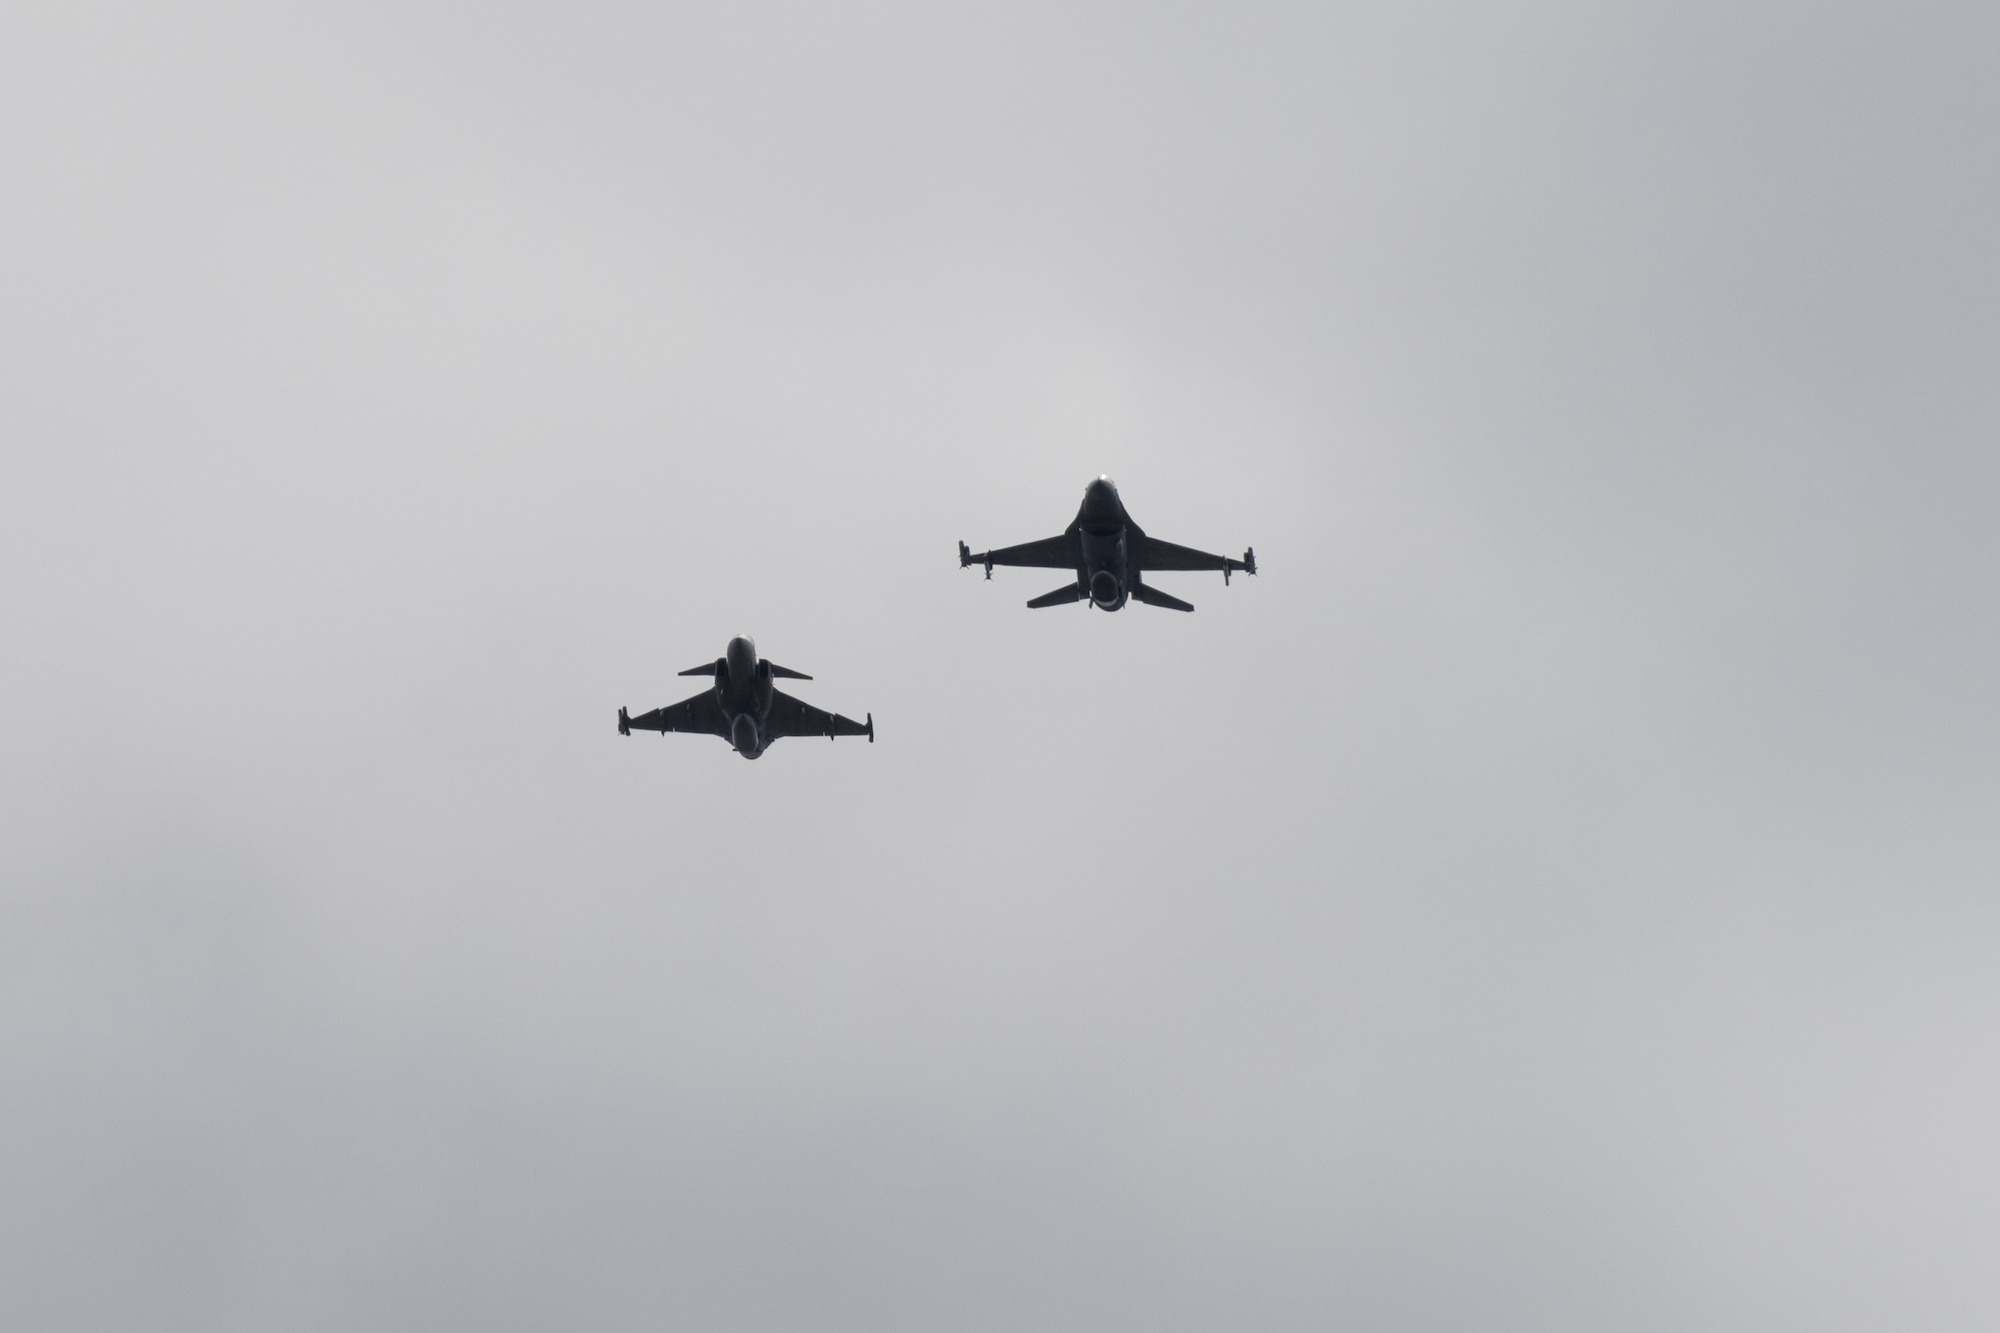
column 1100, row 526
column 743, row 689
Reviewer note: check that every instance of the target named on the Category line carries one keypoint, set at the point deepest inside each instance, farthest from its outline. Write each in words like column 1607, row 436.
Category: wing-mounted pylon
column 834, row 722
column 965, row 559
column 1062, row 551
column 1151, row 554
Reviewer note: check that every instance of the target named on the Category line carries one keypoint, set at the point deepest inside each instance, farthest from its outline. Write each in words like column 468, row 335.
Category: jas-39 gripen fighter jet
column 1109, row 554
column 744, row 708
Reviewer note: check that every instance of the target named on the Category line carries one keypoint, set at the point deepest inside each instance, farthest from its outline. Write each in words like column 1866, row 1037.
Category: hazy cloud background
column 1559, row 893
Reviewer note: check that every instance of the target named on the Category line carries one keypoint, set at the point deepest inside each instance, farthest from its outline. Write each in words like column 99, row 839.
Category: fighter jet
column 1108, row 552
column 744, row 708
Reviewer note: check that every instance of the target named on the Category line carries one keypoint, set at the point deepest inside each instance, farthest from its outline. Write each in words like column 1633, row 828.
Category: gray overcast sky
column 1559, row 893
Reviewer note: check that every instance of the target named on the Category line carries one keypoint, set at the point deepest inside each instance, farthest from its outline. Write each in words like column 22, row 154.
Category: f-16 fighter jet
column 1109, row 553
column 744, row 708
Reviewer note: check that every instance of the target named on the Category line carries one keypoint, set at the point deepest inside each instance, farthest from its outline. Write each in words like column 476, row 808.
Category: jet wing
column 796, row 717
column 1153, row 553
column 701, row 714
column 1060, row 552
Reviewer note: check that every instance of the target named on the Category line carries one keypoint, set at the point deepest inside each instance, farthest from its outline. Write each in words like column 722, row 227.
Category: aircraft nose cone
column 743, row 735
column 1100, row 501
column 742, row 658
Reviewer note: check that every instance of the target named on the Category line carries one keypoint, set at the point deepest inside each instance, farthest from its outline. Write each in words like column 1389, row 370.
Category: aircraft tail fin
column 1154, row 597
column 1069, row 592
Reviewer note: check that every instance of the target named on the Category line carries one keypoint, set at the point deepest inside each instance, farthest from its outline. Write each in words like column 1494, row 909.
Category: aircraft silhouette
column 1109, row 552
column 744, row 708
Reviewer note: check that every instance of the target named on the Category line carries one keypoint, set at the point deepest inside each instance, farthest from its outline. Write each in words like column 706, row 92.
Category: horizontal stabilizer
column 787, row 672
column 714, row 668
column 1069, row 592
column 1154, row 597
